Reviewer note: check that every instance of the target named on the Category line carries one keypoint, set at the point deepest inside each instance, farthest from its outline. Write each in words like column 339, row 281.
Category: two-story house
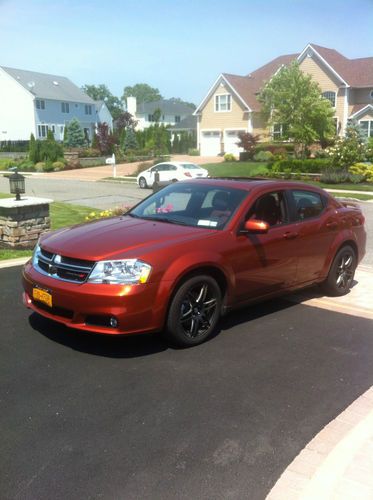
column 32, row 102
column 231, row 104
column 171, row 112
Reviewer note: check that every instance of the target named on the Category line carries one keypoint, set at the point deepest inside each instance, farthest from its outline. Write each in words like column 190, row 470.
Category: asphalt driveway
column 84, row 416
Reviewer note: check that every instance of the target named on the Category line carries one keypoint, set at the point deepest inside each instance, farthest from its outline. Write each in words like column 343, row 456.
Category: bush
column 314, row 166
column 369, row 150
column 364, row 170
column 89, row 153
column 335, row 177
column 58, row 165
column 263, row 156
column 193, row 152
column 273, row 146
column 248, row 142
column 245, row 156
column 40, row 166
column 229, row 157
column 143, row 166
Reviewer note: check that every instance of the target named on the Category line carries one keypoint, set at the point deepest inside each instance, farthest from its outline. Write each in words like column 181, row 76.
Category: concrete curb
column 13, row 262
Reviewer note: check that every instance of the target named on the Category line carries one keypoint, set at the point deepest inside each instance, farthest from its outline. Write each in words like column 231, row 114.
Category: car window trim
column 292, row 203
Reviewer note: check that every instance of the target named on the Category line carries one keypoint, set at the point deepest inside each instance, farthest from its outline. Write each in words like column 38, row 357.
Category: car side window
column 270, row 208
column 307, row 204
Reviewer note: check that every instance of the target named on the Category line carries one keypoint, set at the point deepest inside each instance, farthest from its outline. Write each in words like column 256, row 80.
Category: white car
column 170, row 172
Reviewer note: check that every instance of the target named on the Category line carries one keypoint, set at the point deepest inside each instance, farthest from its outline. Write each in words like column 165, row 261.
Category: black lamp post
column 17, row 184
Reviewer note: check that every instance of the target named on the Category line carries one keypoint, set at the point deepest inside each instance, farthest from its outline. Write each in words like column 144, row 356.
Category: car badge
column 57, row 259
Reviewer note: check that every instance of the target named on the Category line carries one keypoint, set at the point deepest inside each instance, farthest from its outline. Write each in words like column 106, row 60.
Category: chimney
column 131, row 105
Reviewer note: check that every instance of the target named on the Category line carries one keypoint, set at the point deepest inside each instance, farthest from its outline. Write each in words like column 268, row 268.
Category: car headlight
column 120, row 272
column 35, row 255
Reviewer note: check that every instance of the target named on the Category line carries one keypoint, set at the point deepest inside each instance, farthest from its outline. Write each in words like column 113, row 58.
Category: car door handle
column 290, row 235
column 332, row 225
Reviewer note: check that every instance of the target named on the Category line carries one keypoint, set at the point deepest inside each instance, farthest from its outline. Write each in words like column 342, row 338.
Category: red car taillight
column 187, row 174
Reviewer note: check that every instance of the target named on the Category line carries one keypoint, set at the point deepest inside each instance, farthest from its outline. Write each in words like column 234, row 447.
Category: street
column 85, row 416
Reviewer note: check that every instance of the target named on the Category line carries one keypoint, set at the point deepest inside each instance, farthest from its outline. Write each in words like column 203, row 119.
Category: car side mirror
column 256, row 226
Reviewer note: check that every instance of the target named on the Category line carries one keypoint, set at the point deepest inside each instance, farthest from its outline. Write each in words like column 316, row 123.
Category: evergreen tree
column 74, row 134
column 50, row 150
column 34, row 149
column 130, row 142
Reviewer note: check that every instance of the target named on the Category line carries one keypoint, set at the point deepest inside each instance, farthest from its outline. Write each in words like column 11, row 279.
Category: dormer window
column 330, row 95
column 223, row 102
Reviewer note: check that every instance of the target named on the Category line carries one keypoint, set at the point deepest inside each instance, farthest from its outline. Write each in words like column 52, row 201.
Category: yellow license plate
column 42, row 296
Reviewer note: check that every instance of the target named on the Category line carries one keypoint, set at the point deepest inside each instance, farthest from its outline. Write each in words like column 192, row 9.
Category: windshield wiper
column 165, row 219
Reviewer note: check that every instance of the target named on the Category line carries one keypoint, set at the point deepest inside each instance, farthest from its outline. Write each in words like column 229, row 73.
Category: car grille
column 63, row 268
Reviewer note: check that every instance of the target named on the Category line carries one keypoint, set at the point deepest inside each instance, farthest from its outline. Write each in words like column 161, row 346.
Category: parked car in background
column 170, row 172
column 191, row 252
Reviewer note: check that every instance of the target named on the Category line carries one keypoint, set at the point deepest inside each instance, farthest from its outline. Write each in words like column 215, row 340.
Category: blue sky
column 180, row 47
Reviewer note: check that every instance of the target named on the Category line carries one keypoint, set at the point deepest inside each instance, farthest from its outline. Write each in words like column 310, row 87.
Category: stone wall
column 22, row 223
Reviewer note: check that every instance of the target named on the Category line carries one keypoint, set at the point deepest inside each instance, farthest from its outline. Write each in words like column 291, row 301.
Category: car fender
column 341, row 238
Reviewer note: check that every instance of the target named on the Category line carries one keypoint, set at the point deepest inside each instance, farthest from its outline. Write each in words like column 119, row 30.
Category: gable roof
column 167, row 107
column 46, row 86
column 187, row 123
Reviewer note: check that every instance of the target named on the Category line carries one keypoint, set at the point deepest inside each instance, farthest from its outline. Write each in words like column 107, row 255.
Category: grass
column 62, row 215
column 357, row 196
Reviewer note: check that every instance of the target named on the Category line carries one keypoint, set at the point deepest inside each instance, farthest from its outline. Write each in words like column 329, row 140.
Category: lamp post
column 17, row 184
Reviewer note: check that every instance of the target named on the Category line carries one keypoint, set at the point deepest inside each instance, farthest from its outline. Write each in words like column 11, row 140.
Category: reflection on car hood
column 116, row 237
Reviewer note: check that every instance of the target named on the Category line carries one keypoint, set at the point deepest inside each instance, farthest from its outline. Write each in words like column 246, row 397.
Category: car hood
column 117, row 237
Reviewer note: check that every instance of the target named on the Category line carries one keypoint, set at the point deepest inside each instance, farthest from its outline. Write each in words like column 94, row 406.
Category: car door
column 316, row 227
column 266, row 263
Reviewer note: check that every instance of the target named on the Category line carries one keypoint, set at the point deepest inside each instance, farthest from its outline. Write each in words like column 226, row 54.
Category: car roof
column 177, row 163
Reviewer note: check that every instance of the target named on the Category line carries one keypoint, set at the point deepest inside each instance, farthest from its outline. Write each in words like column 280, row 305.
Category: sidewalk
column 337, row 464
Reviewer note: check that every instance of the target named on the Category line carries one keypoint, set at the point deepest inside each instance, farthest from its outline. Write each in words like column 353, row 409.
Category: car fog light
column 113, row 322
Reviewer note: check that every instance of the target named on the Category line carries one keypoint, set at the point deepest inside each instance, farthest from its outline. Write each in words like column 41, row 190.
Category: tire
column 142, row 183
column 341, row 273
column 194, row 311
column 174, row 180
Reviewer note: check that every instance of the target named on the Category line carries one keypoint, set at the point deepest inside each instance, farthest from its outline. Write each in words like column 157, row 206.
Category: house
column 33, row 103
column 231, row 104
column 103, row 114
column 171, row 112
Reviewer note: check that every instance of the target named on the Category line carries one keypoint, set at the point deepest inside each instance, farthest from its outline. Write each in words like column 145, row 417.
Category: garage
column 210, row 143
column 230, row 141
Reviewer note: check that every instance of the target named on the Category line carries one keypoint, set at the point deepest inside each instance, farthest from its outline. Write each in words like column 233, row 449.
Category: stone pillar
column 23, row 221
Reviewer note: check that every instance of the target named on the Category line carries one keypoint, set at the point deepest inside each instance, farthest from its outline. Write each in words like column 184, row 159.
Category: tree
column 74, row 134
column 50, row 150
column 349, row 149
column 103, row 139
column 34, row 150
column 130, row 141
column 291, row 98
column 102, row 93
column 143, row 93
column 124, row 121
column 248, row 142
column 191, row 105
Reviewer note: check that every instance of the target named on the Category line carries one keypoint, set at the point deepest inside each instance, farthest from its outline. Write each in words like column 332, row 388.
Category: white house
column 171, row 112
column 33, row 103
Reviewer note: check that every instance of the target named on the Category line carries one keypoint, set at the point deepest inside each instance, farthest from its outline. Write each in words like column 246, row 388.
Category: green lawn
column 62, row 215
column 357, row 196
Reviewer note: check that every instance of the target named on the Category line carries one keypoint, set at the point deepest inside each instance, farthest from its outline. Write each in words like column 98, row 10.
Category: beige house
column 231, row 104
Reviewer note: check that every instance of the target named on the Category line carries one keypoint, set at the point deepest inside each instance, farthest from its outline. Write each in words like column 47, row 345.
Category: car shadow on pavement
column 97, row 344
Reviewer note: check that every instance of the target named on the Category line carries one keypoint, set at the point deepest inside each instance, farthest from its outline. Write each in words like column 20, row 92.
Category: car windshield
column 197, row 205
column 190, row 166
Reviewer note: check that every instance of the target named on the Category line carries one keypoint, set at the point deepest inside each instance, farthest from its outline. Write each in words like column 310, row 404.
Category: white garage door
column 230, row 140
column 210, row 143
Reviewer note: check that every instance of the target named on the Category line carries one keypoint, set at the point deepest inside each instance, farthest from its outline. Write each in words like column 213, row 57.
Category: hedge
column 273, row 146
column 312, row 165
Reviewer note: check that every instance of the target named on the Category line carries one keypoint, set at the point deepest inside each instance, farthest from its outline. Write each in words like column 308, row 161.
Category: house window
column 279, row 131
column 65, row 108
column 330, row 96
column 40, row 104
column 42, row 131
column 367, row 127
column 151, row 118
column 177, row 119
column 88, row 109
column 223, row 102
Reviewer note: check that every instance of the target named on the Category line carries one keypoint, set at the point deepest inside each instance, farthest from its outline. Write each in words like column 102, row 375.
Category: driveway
column 85, row 416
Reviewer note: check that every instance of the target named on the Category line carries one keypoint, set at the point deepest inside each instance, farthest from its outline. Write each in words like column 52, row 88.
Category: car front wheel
column 142, row 183
column 194, row 311
column 342, row 271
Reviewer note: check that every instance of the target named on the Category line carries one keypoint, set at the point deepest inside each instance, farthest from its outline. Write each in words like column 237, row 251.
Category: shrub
column 58, row 165
column 40, row 166
column 50, row 150
column 229, row 157
column 314, row 166
column 349, row 149
column 74, row 136
column 275, row 146
column 263, row 156
column 364, row 170
column 143, row 166
column 335, row 177
column 193, row 152
column 89, row 153
column 369, row 149
column 248, row 142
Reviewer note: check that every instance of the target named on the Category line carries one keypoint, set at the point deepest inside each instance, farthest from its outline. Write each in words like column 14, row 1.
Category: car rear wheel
column 342, row 271
column 194, row 311
column 142, row 183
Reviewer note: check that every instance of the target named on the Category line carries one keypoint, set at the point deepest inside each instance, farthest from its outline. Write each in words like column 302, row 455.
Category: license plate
column 42, row 296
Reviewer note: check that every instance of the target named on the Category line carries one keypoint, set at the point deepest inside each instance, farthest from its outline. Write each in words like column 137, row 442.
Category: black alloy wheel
column 342, row 271
column 194, row 311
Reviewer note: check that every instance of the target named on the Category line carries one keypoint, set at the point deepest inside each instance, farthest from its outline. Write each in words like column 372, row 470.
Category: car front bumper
column 91, row 307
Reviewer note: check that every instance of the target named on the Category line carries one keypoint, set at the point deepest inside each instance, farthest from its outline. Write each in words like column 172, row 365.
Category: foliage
column 191, row 105
column 104, row 139
column 14, row 146
column 124, row 121
column 143, row 166
column 248, row 142
column 193, row 152
column 74, row 134
column 34, row 149
column 143, row 93
column 369, row 149
column 349, row 149
column 111, row 212
column 157, row 113
column 365, row 170
column 263, row 156
column 183, row 141
column 338, row 177
column 102, row 93
column 58, row 165
column 154, row 139
column 40, row 166
column 130, row 141
column 294, row 100
column 275, row 147
column 311, row 165
column 88, row 153
column 236, row 169
column 49, row 149
column 229, row 157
